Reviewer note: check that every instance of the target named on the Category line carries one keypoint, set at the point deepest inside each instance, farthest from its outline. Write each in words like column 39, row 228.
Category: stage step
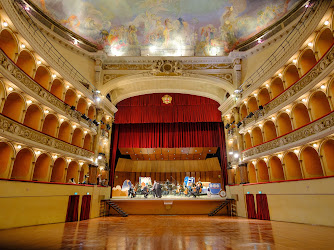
column 220, row 207
column 117, row 208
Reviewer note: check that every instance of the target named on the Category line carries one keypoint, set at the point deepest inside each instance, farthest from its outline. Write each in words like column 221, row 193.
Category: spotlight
column 84, row 116
column 72, row 107
column 227, row 126
column 251, row 114
column 260, row 107
column 233, row 122
column 239, row 124
column 108, row 127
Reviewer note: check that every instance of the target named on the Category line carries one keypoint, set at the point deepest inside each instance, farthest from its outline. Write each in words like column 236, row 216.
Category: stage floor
column 170, row 197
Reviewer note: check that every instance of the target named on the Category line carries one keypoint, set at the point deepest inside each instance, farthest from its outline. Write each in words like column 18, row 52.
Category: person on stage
column 158, row 190
column 145, row 191
column 155, row 189
column 131, row 191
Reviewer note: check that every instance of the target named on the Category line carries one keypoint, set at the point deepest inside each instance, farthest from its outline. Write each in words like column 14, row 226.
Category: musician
column 131, row 191
column 145, row 191
column 158, row 190
column 198, row 188
column 155, row 184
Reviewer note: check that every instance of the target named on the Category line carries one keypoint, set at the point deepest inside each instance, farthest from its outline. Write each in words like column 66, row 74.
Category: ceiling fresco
column 126, row 27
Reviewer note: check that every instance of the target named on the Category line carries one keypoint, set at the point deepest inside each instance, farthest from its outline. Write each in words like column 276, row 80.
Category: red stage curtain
column 250, row 206
column 85, row 207
column 72, row 208
column 169, row 135
column 151, row 109
column 262, row 207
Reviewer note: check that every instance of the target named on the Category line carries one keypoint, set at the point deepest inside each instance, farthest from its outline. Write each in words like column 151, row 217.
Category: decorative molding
column 12, row 129
column 9, row 67
column 307, row 131
column 227, row 77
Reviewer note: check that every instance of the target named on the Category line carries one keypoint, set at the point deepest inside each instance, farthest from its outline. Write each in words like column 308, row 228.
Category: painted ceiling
column 121, row 27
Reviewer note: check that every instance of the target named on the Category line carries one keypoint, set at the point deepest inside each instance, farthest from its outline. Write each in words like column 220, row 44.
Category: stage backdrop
column 183, row 121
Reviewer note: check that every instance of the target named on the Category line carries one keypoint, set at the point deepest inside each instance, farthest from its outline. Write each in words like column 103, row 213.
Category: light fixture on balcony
column 294, row 61
column 29, row 102
column 310, row 44
column 19, row 146
column 326, row 22
column 99, row 157
column 323, row 87
column 10, row 89
column 46, row 111
column 23, row 46
column 39, row 62
column 5, row 24
column 54, row 75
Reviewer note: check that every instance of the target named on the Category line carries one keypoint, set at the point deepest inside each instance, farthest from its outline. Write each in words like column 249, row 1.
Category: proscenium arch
column 129, row 86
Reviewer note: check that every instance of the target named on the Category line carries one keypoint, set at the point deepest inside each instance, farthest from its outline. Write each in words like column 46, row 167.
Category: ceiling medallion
column 166, row 99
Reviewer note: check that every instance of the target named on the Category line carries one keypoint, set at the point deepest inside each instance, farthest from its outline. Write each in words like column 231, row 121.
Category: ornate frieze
column 299, row 134
column 226, row 77
column 17, row 73
column 14, row 128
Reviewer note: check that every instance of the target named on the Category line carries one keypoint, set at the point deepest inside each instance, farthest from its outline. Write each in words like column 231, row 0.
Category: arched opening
column 88, row 142
column 70, row 97
column 104, row 123
column 58, row 170
column 252, row 105
column 73, row 172
column 65, row 132
column 257, row 136
column 243, row 111
column 42, row 167
column 311, row 163
column 57, row 89
column 8, row 44
column 77, row 137
column 269, row 131
column 14, row 106
column 276, row 87
column 248, row 141
column 276, row 169
column 331, row 92
column 251, row 173
column 292, row 166
column 26, row 62
column 327, row 152
column 284, row 124
column 319, row 105
column 262, row 170
column 50, row 125
column 291, row 75
column 43, row 77
column 6, row 155
column 33, row 117
column 263, row 97
column 22, row 164
column 84, row 171
column 324, row 42
column 307, row 61
column 82, row 106
column 91, row 112
column 300, row 115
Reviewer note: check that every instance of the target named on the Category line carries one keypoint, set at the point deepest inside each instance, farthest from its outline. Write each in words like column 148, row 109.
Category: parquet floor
column 169, row 232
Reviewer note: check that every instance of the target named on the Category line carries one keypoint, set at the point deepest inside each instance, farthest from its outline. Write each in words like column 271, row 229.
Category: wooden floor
column 169, row 232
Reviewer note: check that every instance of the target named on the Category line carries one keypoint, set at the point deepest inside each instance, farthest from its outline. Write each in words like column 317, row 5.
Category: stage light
column 248, row 192
column 260, row 107
column 251, row 114
column 260, row 192
column 75, row 193
column 227, row 126
column 87, row 193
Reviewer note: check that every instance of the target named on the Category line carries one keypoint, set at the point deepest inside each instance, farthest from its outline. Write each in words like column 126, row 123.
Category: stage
column 170, row 205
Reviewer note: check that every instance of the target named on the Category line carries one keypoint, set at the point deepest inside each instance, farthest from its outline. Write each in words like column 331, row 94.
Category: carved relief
column 227, row 77
column 12, row 127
